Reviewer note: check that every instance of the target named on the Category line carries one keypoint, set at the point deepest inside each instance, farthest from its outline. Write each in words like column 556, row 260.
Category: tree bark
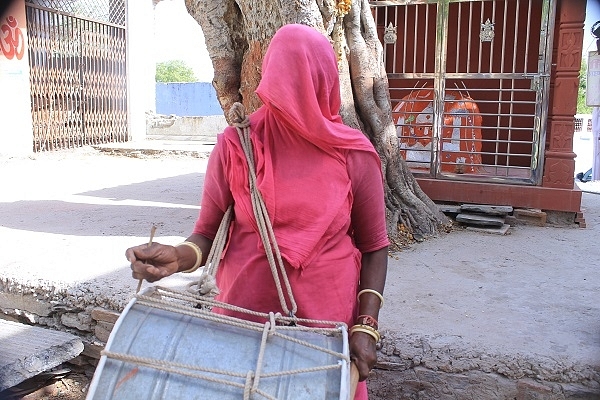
column 237, row 34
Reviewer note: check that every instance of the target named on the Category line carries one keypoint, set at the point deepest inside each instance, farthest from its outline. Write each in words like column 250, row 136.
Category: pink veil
column 300, row 144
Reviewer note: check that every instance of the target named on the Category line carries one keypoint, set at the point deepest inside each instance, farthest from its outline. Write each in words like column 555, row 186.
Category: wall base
column 517, row 196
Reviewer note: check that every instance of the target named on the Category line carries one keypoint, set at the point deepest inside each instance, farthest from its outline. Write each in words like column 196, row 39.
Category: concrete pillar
column 16, row 132
column 141, row 65
column 559, row 163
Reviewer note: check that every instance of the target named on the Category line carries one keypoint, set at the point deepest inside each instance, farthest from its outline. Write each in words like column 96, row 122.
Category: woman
column 322, row 185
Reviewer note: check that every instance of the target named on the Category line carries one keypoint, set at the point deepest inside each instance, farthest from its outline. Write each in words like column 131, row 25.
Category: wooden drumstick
column 353, row 380
column 152, row 231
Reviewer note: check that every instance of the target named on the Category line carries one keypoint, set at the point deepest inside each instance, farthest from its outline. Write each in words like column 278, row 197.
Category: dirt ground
column 76, row 171
column 72, row 386
column 465, row 288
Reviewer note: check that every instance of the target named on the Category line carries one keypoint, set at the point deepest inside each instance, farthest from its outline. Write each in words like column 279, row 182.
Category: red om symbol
column 13, row 43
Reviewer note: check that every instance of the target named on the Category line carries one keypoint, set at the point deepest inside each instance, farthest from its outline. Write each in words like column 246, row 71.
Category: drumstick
column 139, row 286
column 353, row 379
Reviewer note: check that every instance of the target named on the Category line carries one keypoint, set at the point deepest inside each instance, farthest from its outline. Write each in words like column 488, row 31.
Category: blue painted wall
column 189, row 99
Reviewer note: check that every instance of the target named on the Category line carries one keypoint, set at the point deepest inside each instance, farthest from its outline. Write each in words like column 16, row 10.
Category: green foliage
column 174, row 71
column 582, row 108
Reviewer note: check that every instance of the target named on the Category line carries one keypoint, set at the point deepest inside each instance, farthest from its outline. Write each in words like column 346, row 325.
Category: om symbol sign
column 12, row 43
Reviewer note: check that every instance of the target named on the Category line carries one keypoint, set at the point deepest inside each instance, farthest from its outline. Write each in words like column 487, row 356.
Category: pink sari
column 302, row 151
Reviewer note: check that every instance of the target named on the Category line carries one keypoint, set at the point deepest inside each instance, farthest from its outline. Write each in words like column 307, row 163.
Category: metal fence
column 78, row 73
column 583, row 123
column 469, row 84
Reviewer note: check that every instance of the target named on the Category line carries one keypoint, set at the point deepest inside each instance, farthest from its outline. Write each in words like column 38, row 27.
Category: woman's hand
column 152, row 262
column 363, row 352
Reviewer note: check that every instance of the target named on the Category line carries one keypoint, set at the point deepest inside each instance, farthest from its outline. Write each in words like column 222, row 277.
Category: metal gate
column 469, row 84
column 78, row 75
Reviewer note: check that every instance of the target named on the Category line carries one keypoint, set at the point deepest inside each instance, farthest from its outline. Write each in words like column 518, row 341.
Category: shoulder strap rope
column 207, row 284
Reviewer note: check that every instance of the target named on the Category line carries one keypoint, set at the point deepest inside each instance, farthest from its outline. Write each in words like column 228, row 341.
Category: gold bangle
column 366, row 329
column 198, row 252
column 375, row 292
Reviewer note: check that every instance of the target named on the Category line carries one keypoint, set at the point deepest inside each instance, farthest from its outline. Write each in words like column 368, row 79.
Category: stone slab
column 503, row 230
column 449, row 208
column 530, row 216
column 26, row 351
column 26, row 303
column 103, row 315
column 480, row 220
column 487, row 209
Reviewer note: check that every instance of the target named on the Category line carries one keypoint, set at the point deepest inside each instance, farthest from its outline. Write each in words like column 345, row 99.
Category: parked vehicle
column 584, row 176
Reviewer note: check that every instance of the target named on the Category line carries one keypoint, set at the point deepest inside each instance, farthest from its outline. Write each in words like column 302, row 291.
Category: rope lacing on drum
column 181, row 302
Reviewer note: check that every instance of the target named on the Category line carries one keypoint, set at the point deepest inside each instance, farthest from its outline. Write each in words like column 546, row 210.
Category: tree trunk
column 237, row 34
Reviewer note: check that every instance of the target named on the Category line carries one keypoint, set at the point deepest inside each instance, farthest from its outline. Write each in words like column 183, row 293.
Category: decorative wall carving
column 564, row 100
column 562, row 135
column 559, row 173
column 569, row 49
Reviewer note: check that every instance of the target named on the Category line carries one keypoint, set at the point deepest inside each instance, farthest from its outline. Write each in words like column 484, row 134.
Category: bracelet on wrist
column 198, row 252
column 375, row 292
column 366, row 329
column 367, row 320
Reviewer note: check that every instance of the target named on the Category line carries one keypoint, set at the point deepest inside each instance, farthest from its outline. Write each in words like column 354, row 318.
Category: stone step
column 487, row 209
column 26, row 351
column 503, row 230
column 480, row 220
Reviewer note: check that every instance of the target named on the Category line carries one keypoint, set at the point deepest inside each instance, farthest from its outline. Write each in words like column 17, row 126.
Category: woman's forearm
column 372, row 276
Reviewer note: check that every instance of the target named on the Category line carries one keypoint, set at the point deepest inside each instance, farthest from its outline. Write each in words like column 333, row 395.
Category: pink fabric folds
column 300, row 144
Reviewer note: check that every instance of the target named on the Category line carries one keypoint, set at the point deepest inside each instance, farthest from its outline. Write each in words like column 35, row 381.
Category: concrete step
column 26, row 351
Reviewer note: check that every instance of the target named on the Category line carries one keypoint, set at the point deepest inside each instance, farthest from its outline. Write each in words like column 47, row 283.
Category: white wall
column 16, row 137
column 141, row 65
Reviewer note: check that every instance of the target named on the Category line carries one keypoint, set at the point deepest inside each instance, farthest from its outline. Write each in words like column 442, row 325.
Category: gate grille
column 107, row 11
column 78, row 76
column 468, row 83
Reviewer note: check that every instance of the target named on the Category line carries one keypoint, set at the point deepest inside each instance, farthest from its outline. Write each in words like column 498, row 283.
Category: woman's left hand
column 363, row 352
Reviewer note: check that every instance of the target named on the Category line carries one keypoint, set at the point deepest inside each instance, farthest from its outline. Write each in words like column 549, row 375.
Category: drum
column 168, row 345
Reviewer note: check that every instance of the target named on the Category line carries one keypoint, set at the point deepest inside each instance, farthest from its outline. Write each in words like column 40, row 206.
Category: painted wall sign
column 16, row 132
column 12, row 41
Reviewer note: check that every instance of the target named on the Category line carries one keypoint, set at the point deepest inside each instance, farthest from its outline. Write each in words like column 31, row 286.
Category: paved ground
column 526, row 304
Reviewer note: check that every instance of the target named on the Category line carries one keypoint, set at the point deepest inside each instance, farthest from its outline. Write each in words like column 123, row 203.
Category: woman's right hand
column 152, row 262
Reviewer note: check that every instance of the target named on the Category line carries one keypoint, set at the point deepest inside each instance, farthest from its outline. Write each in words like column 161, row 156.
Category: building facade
column 484, row 95
column 484, row 91
column 73, row 74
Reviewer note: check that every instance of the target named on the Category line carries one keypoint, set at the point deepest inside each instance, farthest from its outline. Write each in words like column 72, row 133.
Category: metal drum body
column 201, row 355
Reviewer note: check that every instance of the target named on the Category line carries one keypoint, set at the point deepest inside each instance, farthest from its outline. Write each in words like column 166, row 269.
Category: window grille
column 106, row 11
